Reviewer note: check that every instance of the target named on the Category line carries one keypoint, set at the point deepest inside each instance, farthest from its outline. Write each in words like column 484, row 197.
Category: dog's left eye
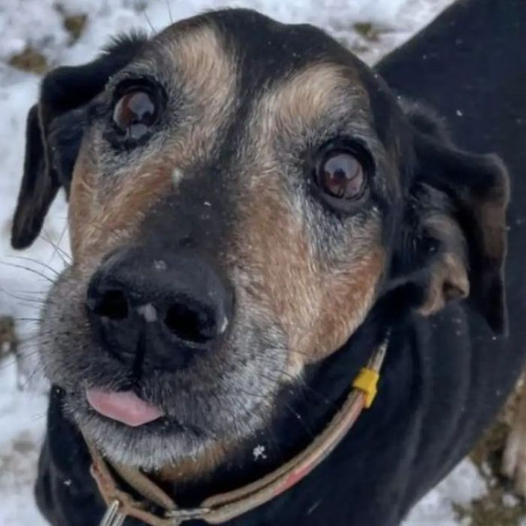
column 342, row 171
column 135, row 112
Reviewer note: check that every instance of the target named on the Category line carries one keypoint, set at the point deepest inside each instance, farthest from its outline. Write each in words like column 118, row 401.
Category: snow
column 22, row 417
column 39, row 23
column 259, row 452
column 462, row 486
column 177, row 175
column 160, row 265
column 148, row 312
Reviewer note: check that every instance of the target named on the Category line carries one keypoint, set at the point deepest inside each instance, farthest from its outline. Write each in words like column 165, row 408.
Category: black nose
column 158, row 309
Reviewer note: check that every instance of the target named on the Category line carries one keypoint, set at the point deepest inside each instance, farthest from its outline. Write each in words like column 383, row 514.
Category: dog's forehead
column 256, row 50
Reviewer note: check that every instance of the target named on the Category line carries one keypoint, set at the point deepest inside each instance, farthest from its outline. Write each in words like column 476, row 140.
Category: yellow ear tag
column 367, row 381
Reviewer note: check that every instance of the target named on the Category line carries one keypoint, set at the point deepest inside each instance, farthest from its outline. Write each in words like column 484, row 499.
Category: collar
column 223, row 507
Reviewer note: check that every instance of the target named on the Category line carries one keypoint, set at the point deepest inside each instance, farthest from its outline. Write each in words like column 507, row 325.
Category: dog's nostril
column 190, row 323
column 112, row 304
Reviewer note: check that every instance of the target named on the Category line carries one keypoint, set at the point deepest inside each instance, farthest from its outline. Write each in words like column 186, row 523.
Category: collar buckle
column 181, row 515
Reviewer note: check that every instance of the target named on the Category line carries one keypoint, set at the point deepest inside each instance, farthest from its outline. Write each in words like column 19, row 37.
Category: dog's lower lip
column 123, row 406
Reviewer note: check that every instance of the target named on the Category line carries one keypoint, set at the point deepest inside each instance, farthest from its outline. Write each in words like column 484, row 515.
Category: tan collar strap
column 226, row 506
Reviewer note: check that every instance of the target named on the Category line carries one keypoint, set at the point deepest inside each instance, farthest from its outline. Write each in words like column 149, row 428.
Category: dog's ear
column 454, row 233
column 55, row 126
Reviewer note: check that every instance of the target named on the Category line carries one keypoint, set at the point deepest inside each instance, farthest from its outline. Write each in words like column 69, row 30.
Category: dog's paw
column 514, row 457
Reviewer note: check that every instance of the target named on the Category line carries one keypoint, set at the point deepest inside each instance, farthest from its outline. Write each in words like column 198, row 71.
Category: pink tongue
column 123, row 406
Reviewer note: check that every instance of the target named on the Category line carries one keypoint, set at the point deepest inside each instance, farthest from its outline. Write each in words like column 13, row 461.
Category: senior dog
column 261, row 229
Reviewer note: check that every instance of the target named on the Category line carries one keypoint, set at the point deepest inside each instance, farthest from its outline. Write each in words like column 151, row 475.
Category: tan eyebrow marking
column 206, row 71
column 304, row 98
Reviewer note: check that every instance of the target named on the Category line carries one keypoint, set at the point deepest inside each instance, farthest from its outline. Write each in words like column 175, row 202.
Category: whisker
column 66, row 258
column 22, row 298
column 148, row 21
column 28, row 269
column 30, row 341
column 27, row 320
column 30, row 377
column 298, row 380
column 34, row 292
column 169, row 11
column 8, row 361
column 32, row 260
column 57, row 245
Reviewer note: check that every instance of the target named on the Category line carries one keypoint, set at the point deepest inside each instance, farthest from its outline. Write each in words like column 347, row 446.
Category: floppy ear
column 454, row 233
column 55, row 126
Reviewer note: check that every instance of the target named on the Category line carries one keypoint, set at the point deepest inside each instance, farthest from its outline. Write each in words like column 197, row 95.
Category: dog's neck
column 303, row 413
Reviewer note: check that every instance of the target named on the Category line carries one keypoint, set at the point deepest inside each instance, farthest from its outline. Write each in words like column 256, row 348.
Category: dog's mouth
column 139, row 412
column 123, row 406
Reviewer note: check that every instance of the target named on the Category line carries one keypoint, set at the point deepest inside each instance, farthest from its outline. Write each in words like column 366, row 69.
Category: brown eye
column 135, row 113
column 341, row 175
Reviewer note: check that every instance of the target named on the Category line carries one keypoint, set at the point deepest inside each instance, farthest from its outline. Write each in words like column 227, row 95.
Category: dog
column 254, row 214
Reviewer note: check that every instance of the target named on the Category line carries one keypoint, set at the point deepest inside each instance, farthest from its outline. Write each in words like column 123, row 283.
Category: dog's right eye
column 135, row 112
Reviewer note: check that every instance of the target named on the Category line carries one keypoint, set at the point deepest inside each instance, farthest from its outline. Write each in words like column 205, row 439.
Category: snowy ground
column 39, row 25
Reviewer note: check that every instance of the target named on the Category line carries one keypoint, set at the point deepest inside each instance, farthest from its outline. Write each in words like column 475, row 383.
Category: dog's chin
column 151, row 446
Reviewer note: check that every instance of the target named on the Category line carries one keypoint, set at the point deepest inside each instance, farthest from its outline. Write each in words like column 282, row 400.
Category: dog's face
column 241, row 193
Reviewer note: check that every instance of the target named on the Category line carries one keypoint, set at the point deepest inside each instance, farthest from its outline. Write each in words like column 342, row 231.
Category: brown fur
column 449, row 278
column 104, row 214
column 302, row 100
column 101, row 220
column 317, row 308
